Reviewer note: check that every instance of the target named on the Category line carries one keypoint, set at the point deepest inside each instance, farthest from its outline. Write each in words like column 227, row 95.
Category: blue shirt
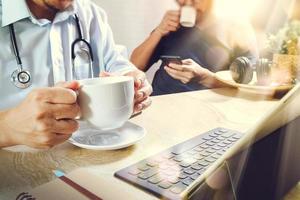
column 45, row 46
column 213, row 46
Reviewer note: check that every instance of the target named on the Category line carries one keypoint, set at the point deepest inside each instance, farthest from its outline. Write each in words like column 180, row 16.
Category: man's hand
column 143, row 90
column 170, row 23
column 191, row 71
column 45, row 118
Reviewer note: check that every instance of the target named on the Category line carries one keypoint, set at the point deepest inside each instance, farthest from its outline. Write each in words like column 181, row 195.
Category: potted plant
column 285, row 46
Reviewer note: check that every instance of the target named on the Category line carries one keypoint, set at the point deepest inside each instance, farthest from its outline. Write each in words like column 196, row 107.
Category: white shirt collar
column 64, row 15
column 13, row 11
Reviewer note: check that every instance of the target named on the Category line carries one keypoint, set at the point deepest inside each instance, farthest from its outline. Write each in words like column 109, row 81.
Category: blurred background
column 133, row 20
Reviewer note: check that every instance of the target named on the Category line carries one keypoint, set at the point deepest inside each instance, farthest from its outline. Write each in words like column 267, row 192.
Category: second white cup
column 188, row 16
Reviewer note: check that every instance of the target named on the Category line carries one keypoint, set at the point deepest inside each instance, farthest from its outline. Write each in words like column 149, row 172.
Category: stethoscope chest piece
column 21, row 78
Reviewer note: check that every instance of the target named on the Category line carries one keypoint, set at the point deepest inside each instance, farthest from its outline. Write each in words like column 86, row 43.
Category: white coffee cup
column 188, row 16
column 106, row 102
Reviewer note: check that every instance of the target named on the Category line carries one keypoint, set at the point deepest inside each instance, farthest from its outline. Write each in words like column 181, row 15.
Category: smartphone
column 171, row 59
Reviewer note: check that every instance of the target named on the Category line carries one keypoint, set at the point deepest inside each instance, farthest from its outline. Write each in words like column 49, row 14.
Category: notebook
column 102, row 185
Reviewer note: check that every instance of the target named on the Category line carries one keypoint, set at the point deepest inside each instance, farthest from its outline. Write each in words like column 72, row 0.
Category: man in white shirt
column 43, row 115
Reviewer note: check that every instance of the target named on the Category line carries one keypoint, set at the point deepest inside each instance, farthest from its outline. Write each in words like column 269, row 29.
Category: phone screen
column 171, row 59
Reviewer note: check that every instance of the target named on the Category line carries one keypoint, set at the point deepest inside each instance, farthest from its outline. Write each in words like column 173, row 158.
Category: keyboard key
column 144, row 167
column 222, row 130
column 189, row 171
column 168, row 156
column 203, row 163
column 227, row 135
column 155, row 161
column 213, row 135
column 225, row 148
column 187, row 145
column 220, row 138
column 171, row 163
column 147, row 174
column 232, row 139
column 216, row 148
column 198, row 157
column 196, row 167
column 195, row 176
column 210, row 159
column 216, row 156
column 226, row 142
column 182, row 176
column 152, row 163
column 221, row 152
column 178, row 188
column 218, row 132
column 210, row 151
column 134, row 171
column 198, row 149
column 165, row 185
column 222, row 145
column 184, row 165
column 237, row 137
column 169, row 172
column 164, row 166
column 144, row 176
column 192, row 152
column 204, row 146
column 201, row 171
column 188, row 181
column 190, row 160
column 185, row 155
column 204, row 153
column 215, row 140
column 173, row 180
column 178, row 158
column 209, row 143
column 155, row 179
column 207, row 137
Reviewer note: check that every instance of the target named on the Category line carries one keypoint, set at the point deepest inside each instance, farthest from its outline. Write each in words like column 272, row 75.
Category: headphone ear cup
column 241, row 70
column 263, row 70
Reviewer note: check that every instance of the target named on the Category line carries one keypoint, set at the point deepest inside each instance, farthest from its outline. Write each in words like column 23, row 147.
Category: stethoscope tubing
column 20, row 72
column 15, row 44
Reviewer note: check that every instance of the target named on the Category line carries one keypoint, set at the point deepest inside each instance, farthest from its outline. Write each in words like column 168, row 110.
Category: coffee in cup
column 188, row 16
column 107, row 102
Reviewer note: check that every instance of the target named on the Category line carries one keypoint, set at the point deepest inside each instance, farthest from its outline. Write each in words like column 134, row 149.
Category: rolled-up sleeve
column 107, row 55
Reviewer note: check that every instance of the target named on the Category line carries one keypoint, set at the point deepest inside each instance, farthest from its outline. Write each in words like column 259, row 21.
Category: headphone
column 242, row 70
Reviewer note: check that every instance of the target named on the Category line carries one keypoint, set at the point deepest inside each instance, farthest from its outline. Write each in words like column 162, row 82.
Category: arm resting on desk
column 5, row 139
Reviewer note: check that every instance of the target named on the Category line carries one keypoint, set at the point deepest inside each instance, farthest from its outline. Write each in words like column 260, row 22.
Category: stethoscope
column 22, row 78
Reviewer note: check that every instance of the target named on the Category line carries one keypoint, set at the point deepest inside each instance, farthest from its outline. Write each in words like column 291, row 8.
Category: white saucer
column 88, row 137
column 252, row 87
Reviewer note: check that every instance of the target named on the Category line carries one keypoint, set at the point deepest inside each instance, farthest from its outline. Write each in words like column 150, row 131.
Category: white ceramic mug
column 106, row 102
column 188, row 16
